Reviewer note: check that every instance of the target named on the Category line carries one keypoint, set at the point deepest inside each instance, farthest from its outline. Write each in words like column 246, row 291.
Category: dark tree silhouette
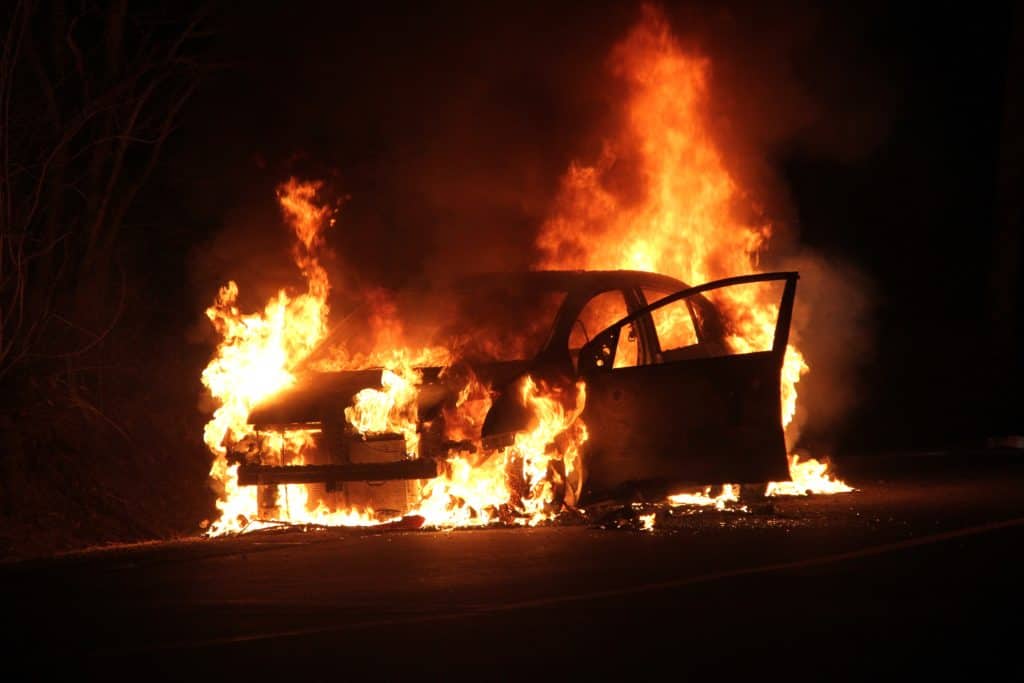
column 89, row 93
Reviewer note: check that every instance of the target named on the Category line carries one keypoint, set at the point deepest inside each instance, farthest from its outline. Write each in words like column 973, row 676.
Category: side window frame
column 656, row 350
column 633, row 302
column 599, row 353
column 650, row 350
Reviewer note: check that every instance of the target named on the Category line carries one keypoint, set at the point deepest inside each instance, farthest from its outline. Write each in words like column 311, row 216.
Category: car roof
column 577, row 280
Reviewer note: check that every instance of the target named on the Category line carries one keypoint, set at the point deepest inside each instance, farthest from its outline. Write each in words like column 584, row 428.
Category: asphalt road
column 917, row 571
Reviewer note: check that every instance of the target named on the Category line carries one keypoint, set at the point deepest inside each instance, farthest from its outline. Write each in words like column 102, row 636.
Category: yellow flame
column 391, row 409
column 478, row 490
column 258, row 350
column 807, row 476
column 728, row 494
column 682, row 218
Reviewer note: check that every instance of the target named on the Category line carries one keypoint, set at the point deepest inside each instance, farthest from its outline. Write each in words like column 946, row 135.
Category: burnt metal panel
column 702, row 421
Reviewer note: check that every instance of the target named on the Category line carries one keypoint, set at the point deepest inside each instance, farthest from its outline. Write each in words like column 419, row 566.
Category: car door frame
column 596, row 361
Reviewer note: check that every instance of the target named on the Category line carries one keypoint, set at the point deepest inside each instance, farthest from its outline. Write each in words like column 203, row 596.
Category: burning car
column 669, row 390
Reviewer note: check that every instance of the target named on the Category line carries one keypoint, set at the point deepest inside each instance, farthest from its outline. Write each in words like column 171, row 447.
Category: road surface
column 918, row 570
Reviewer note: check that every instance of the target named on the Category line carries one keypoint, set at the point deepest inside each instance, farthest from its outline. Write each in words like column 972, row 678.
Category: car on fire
column 671, row 398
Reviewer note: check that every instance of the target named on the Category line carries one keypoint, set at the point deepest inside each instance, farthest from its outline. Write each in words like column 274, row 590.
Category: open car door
column 704, row 407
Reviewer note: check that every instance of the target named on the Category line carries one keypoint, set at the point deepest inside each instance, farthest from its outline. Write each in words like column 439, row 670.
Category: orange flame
column 480, row 490
column 465, row 420
column 391, row 409
column 682, row 218
column 807, row 476
column 730, row 493
column 258, row 351
column 255, row 360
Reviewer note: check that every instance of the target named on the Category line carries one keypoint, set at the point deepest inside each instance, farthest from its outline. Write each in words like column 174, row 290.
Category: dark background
column 890, row 137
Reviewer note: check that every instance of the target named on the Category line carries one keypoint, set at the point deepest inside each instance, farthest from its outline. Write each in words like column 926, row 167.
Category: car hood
column 323, row 396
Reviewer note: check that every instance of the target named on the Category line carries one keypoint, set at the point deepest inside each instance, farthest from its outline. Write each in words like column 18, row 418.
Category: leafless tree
column 89, row 93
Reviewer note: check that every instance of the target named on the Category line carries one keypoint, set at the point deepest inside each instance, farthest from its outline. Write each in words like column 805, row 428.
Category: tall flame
column 807, row 476
column 683, row 218
column 516, row 483
column 390, row 409
column 255, row 360
column 258, row 350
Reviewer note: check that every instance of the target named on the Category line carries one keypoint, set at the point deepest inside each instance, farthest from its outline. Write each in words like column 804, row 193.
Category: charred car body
column 670, row 398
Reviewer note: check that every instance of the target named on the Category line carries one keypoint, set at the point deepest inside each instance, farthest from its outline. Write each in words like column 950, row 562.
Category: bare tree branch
column 89, row 94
